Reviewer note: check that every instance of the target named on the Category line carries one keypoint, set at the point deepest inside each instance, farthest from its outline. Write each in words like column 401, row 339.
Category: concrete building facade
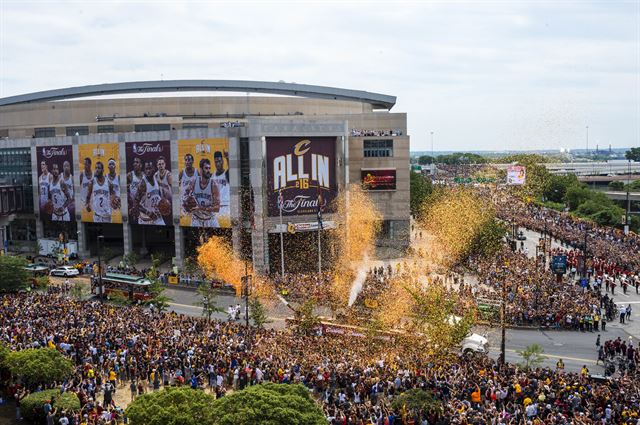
column 369, row 145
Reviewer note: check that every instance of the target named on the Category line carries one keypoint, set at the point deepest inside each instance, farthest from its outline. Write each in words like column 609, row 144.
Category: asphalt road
column 575, row 348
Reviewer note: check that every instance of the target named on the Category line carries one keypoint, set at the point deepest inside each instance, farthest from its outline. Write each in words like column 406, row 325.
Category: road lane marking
column 553, row 356
column 275, row 318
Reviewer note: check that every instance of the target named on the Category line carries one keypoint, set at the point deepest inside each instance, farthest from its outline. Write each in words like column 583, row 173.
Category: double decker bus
column 133, row 287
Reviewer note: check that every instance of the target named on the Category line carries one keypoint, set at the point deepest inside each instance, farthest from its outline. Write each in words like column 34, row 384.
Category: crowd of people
column 615, row 252
column 133, row 350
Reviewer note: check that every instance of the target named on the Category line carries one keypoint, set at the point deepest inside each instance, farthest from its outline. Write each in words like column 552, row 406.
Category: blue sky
column 480, row 75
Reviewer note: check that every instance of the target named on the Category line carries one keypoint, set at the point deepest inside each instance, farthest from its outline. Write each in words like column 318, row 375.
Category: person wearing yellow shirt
column 518, row 388
column 527, row 401
column 112, row 378
column 584, row 371
column 475, row 396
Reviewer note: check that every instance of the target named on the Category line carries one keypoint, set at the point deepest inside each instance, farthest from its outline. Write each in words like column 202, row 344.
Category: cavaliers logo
column 302, row 147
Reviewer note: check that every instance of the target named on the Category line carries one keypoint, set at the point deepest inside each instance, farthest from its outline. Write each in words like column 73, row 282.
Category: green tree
column 616, row 185
column 633, row 186
column 172, row 406
column 156, row 289
column 522, row 158
column 433, row 315
column 258, row 313
column 268, row 404
column 558, row 186
column 306, row 318
column 416, row 401
column 207, row 300
column 576, row 195
column 78, row 290
column 33, row 404
column 532, row 356
column 4, row 352
column 419, row 190
column 488, row 241
column 458, row 158
column 13, row 276
column 39, row 366
column 130, row 259
column 42, row 282
column 425, row 159
column 633, row 154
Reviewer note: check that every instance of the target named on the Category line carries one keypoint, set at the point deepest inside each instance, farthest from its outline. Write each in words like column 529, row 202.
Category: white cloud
column 480, row 74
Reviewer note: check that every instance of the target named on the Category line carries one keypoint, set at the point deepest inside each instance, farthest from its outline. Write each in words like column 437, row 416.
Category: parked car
column 521, row 236
column 65, row 271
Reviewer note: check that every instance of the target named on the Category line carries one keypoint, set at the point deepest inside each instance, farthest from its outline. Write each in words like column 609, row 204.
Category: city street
column 575, row 348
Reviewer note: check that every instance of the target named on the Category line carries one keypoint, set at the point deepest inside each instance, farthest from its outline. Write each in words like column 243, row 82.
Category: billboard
column 378, row 179
column 99, row 183
column 149, row 183
column 303, row 168
column 55, row 183
column 516, row 175
column 559, row 264
column 203, row 180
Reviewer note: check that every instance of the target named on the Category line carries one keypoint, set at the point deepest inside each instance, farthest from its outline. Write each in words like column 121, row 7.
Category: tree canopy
column 39, row 365
column 425, row 159
column 461, row 158
column 268, row 404
column 420, row 188
column 592, row 205
column 172, row 406
column 415, row 401
column 633, row 154
column 33, row 404
column 264, row 404
column 13, row 276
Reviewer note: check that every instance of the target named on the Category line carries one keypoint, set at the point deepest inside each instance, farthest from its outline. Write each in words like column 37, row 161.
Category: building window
column 152, row 127
column 195, row 125
column 106, row 129
column 378, row 148
column 80, row 131
column 45, row 132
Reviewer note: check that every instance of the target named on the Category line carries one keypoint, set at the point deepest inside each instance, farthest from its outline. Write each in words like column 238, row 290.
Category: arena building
column 158, row 173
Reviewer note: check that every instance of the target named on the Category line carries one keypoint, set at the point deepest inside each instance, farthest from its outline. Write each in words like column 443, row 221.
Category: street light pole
column 587, row 140
column 503, row 313
column 433, row 158
column 246, row 288
column 626, row 214
column 100, row 287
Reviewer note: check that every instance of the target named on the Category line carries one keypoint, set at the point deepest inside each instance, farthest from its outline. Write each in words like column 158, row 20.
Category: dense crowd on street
column 536, row 296
column 137, row 351
column 616, row 252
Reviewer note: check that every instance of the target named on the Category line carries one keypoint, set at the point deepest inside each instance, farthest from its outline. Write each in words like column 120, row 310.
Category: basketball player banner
column 55, row 183
column 304, row 169
column 203, row 179
column 99, row 183
column 149, row 183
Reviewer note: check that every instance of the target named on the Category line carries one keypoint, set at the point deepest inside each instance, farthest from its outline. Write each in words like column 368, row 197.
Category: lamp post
column 246, row 288
column 626, row 213
column 100, row 287
column 503, row 313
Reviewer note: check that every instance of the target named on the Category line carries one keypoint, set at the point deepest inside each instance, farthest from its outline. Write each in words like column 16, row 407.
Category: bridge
column 622, row 196
column 606, row 170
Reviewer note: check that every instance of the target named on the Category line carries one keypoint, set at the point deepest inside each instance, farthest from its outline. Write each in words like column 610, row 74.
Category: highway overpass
column 589, row 168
